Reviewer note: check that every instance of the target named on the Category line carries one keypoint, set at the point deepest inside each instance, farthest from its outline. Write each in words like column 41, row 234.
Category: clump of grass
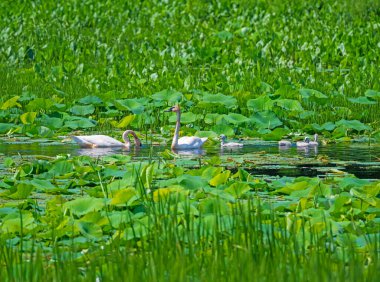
column 247, row 245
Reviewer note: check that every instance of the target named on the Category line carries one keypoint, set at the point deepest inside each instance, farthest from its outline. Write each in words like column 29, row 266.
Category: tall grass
column 247, row 246
column 73, row 49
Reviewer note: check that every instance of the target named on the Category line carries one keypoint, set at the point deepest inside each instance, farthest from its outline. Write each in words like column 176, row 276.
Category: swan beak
column 169, row 110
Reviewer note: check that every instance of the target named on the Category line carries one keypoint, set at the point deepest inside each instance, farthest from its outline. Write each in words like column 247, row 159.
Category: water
column 359, row 159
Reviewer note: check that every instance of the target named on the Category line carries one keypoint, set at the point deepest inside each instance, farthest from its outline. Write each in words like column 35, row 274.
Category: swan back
column 304, row 143
column 223, row 143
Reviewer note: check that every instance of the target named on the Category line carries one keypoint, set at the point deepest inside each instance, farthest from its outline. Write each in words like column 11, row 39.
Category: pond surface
column 259, row 158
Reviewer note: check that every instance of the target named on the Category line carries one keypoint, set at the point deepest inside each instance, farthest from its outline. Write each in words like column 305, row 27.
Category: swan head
column 315, row 137
column 222, row 137
column 307, row 139
column 173, row 109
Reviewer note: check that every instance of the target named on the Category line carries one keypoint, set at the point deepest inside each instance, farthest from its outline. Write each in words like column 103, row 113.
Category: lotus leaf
column 82, row 206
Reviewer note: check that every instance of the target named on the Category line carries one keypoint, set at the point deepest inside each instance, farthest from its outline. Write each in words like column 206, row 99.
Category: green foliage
column 210, row 214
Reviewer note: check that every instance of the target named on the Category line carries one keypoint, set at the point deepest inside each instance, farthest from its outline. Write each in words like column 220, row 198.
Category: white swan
column 315, row 142
column 284, row 143
column 304, row 143
column 104, row 141
column 223, row 143
column 186, row 142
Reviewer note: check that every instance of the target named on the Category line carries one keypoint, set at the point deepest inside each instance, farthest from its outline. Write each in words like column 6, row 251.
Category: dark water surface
column 360, row 159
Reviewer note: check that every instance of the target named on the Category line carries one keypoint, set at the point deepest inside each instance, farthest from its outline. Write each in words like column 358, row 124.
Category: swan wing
column 190, row 142
column 97, row 141
column 232, row 144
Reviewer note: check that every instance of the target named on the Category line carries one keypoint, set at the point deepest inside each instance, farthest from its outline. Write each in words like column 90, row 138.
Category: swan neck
column 176, row 131
column 126, row 138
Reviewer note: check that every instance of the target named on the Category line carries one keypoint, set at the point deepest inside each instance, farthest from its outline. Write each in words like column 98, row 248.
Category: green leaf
column 312, row 94
column 83, row 206
column 82, row 110
column 132, row 105
column 51, row 122
column 78, row 122
column 10, row 103
column 236, row 118
column 5, row 127
column 123, row 196
column 186, row 118
column 126, row 121
column 237, row 189
column 220, row 178
column 227, row 101
column 28, row 118
column 362, row 100
column 289, row 105
column 42, row 184
column 91, row 100
column 168, row 95
column 223, row 129
column 89, row 229
column 364, row 197
column 353, row 124
column 372, row 94
column 262, row 103
column 38, row 104
column 23, row 191
column 265, row 120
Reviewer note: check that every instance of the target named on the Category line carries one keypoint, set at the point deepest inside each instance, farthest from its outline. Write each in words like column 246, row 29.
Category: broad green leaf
column 265, row 120
column 16, row 222
column 89, row 229
column 372, row 94
column 28, row 118
column 227, row 101
column 51, row 122
column 353, row 124
column 168, row 95
column 91, row 100
column 82, row 110
column 362, row 100
column 289, row 105
column 235, row 118
column 78, row 122
column 214, row 206
column 5, row 127
column 364, row 197
column 262, row 103
column 223, row 129
column 132, row 105
column 237, row 189
column 288, row 189
column 81, row 206
column 38, row 104
column 312, row 94
column 42, row 184
column 212, row 118
column 276, row 134
column 10, row 103
column 220, row 178
column 23, row 191
column 186, row 118
column 176, row 193
column 126, row 121
column 123, row 196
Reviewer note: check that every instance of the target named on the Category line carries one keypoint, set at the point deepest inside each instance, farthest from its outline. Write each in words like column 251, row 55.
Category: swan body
column 284, row 143
column 304, row 143
column 229, row 144
column 104, row 141
column 186, row 142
